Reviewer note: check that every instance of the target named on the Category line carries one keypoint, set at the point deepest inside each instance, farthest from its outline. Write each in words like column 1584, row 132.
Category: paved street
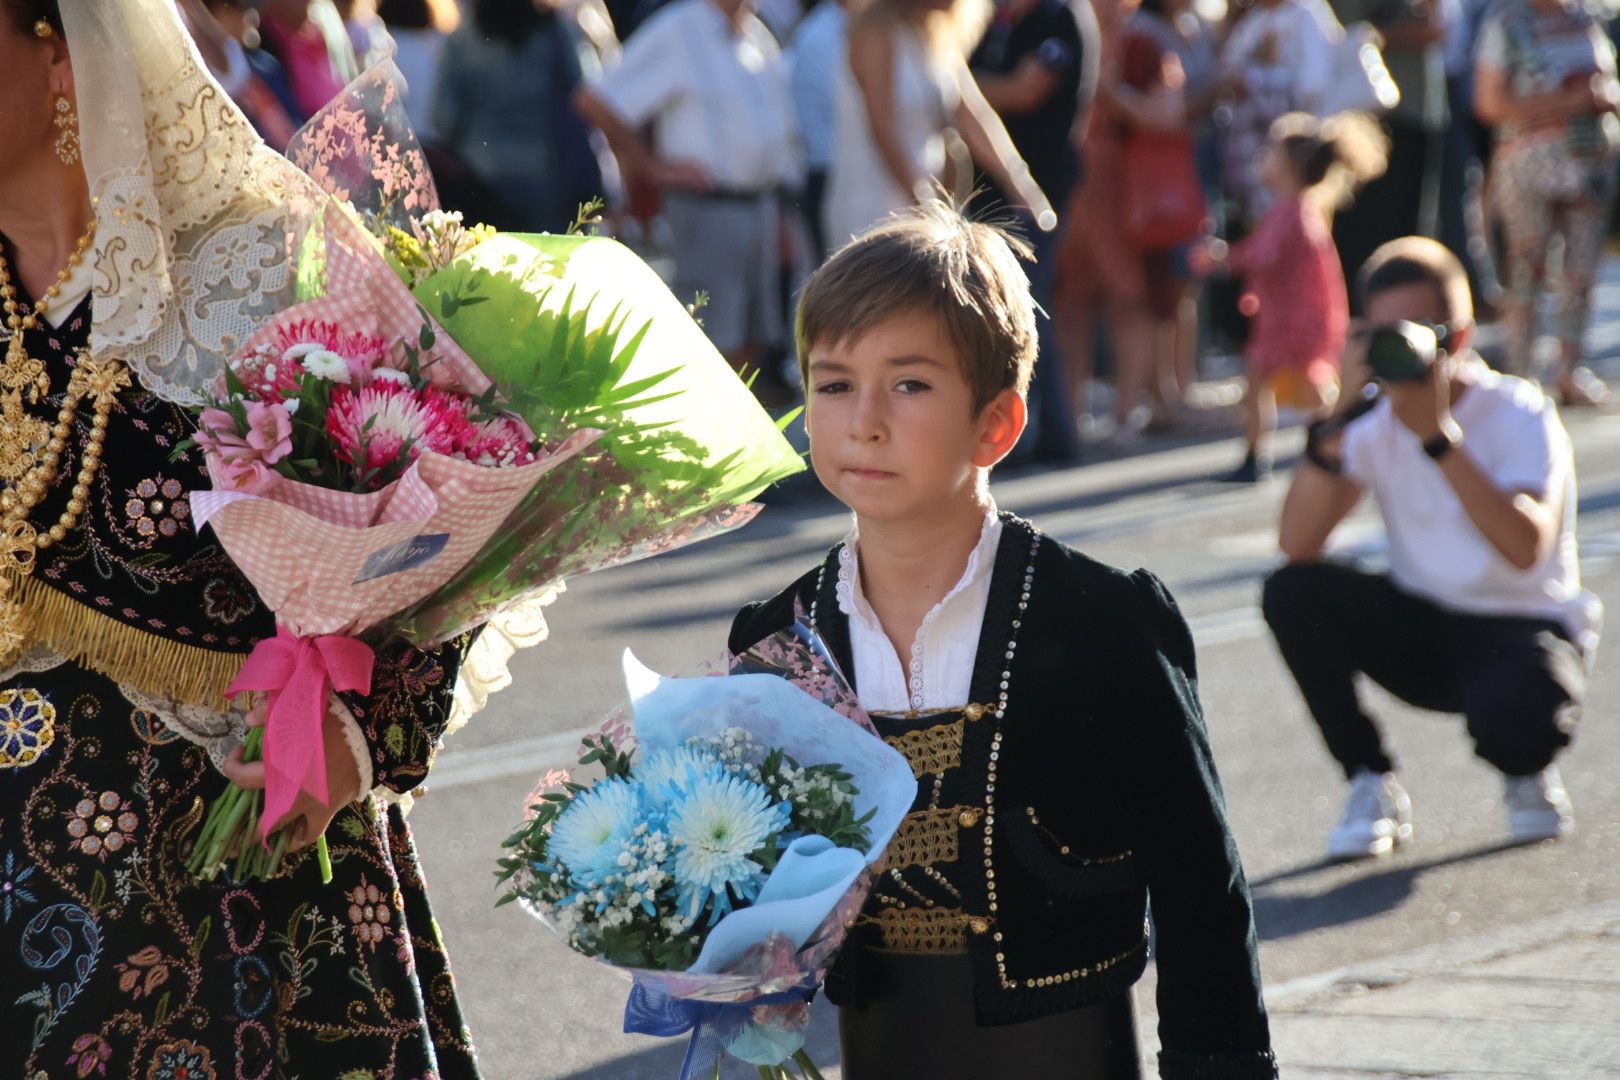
column 540, row 1012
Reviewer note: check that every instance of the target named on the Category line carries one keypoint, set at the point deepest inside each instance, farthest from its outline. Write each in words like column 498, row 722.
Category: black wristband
column 1314, row 454
column 1449, row 439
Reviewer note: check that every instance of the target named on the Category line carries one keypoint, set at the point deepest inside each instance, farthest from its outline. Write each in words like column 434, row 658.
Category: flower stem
column 801, row 1058
column 324, row 857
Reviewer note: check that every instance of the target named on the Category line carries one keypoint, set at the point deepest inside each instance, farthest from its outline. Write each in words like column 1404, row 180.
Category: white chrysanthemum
column 589, row 836
column 715, row 825
column 667, row 770
column 323, row 364
column 393, row 375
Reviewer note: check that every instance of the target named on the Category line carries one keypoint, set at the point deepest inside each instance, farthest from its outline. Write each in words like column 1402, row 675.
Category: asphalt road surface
column 540, row 1012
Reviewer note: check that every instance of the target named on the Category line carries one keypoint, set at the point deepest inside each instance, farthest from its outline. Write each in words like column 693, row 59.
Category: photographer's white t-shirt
column 1512, row 432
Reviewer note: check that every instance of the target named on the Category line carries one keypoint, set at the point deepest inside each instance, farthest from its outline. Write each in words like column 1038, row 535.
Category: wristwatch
column 1449, row 439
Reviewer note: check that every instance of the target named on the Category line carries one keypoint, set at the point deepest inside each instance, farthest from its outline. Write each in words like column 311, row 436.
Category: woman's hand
column 308, row 817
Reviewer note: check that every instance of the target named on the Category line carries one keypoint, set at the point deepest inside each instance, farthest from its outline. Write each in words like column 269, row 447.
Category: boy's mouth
column 869, row 474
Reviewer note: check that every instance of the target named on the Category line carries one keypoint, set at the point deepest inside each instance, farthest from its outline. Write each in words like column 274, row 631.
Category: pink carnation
column 266, row 375
column 371, row 427
column 501, row 443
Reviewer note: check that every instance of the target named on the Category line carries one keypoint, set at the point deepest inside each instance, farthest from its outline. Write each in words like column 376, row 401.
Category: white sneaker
column 1538, row 807
column 1377, row 817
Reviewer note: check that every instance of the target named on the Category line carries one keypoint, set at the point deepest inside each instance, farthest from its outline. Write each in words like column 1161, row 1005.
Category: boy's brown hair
column 930, row 258
column 1413, row 259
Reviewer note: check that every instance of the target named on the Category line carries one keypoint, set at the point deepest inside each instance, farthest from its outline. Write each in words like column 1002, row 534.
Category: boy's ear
column 1001, row 424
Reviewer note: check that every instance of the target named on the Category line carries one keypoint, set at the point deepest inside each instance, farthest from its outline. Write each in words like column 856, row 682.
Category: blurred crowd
column 1199, row 182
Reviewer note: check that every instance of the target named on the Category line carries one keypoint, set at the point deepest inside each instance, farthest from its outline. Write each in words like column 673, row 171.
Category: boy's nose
column 868, row 420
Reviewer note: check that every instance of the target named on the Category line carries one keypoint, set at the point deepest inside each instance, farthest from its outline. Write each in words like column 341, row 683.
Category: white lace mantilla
column 197, row 221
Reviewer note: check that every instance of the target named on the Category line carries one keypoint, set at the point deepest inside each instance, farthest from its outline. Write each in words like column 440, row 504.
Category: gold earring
column 43, row 29
column 67, row 125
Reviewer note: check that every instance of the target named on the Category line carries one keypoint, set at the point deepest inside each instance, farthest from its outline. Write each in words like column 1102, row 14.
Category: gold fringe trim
column 154, row 665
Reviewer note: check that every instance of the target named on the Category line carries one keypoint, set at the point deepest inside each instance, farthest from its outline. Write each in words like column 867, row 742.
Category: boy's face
column 892, row 427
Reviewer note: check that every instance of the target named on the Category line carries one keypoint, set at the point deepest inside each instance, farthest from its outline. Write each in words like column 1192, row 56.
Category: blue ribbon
column 653, row 1012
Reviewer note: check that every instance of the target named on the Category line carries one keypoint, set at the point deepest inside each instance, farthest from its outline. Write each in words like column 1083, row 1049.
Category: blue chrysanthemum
column 716, row 823
column 590, row 835
column 666, row 771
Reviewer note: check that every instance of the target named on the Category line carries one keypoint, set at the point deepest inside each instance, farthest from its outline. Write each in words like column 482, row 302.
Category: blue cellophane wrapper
column 749, row 991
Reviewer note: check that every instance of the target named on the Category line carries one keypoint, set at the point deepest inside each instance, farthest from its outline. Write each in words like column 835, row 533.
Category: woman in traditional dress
column 144, row 231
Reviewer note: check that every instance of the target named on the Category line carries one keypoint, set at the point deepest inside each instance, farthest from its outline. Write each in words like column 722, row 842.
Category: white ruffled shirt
column 939, row 673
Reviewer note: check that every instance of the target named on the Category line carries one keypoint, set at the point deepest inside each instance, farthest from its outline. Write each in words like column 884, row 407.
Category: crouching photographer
column 1482, row 611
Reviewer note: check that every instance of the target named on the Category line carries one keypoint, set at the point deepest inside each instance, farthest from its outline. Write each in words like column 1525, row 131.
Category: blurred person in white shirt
column 708, row 79
column 1482, row 611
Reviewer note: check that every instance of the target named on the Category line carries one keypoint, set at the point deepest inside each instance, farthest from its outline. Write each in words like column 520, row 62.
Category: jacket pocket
column 1061, row 868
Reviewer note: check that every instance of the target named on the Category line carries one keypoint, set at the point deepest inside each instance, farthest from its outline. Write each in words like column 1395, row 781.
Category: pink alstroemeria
column 269, row 431
column 217, row 435
column 250, row 475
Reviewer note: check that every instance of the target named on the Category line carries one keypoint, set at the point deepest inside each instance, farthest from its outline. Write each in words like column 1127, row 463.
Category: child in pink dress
column 1295, row 285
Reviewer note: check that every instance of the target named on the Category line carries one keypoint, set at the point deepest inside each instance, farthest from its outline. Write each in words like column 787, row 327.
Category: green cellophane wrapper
column 576, row 332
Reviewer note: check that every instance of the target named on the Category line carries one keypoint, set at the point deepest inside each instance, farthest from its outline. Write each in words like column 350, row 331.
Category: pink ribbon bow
column 299, row 674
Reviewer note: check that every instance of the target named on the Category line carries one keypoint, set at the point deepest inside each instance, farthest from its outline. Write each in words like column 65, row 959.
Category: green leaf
column 199, row 939
column 98, row 891
column 394, row 739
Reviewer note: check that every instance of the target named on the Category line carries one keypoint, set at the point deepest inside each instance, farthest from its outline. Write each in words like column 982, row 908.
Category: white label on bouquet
column 405, row 555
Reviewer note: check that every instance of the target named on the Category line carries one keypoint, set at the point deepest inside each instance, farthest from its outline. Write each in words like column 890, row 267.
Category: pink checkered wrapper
column 332, row 564
column 338, row 562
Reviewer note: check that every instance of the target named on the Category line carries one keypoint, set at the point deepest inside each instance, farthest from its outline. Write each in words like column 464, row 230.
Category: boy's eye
column 912, row 386
column 836, row 386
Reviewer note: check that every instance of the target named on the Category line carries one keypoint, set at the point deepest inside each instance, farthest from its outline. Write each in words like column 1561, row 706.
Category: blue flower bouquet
column 720, row 862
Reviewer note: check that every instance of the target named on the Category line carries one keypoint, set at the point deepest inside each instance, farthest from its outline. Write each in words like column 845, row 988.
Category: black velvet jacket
column 1102, row 797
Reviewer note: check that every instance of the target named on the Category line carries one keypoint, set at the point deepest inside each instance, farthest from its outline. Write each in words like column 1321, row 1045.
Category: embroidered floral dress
column 113, row 961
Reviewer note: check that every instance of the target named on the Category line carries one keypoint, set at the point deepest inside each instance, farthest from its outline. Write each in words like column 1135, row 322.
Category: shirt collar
column 980, row 564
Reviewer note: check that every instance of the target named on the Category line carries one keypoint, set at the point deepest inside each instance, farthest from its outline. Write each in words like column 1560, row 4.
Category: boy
column 1047, row 703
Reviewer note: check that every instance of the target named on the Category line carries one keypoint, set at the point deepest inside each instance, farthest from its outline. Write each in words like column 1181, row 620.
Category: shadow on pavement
column 1360, row 897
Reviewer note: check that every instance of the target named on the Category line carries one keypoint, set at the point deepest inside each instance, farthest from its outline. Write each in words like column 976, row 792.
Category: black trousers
column 918, row 1024
column 1518, row 681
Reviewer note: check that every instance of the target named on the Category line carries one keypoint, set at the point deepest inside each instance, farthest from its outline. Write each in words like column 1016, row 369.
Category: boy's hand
column 308, row 816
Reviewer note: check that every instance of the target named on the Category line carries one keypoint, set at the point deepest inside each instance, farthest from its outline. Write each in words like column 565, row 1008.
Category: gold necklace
column 21, row 435
column 31, row 449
